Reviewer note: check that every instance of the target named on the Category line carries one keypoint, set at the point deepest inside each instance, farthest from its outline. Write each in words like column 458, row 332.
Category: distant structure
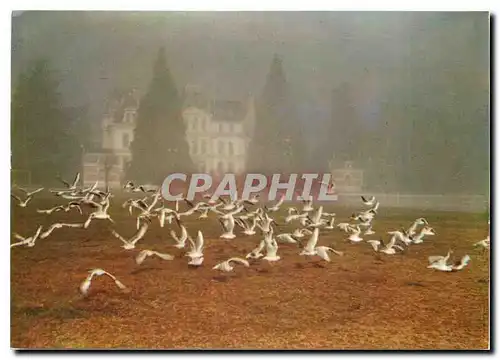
column 347, row 179
column 217, row 132
column 108, row 162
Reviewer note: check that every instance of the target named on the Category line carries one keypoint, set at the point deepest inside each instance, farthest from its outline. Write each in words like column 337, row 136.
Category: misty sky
column 229, row 53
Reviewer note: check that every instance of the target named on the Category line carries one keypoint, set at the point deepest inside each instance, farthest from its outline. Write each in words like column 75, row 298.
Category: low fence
column 461, row 203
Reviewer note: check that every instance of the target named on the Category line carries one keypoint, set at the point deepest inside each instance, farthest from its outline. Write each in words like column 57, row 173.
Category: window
column 125, row 141
column 230, row 167
column 203, row 146
column 221, row 147
column 129, row 116
column 230, row 148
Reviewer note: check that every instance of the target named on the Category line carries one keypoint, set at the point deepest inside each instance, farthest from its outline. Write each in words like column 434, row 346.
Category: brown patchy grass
column 359, row 301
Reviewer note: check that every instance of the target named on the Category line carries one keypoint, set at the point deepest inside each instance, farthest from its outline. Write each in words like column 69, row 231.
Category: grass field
column 361, row 300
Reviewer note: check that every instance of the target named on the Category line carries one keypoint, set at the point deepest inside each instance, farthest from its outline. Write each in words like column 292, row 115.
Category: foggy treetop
column 413, row 60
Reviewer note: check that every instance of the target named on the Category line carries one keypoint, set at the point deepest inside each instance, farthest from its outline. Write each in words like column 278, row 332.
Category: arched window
column 230, row 148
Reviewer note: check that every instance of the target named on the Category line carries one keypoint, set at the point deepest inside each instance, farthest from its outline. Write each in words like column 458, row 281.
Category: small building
column 347, row 179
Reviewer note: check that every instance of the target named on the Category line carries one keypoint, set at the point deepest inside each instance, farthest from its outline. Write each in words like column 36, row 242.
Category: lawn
column 362, row 300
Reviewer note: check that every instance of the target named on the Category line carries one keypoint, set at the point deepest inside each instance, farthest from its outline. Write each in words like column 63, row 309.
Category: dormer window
column 129, row 117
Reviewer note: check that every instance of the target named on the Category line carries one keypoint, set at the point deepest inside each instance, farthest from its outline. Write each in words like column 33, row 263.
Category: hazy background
column 417, row 80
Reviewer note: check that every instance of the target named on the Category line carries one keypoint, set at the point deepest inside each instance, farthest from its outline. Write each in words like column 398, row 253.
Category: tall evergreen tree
column 40, row 132
column 275, row 145
column 159, row 146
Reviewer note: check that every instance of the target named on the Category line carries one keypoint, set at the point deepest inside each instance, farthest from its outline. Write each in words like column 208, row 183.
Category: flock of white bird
column 230, row 214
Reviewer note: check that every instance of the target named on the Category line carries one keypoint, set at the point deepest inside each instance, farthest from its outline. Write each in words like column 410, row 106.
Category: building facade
column 218, row 134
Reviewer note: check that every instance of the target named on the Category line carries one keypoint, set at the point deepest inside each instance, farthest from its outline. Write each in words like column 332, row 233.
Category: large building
column 217, row 132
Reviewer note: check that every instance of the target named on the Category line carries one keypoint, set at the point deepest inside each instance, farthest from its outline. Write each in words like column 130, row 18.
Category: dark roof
column 230, row 111
column 119, row 101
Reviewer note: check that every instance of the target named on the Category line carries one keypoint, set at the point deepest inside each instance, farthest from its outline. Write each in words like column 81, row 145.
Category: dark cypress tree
column 159, row 146
column 40, row 132
column 275, row 146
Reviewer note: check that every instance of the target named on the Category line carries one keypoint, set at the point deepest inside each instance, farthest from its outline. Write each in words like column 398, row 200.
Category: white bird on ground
column 145, row 253
column 271, row 247
column 22, row 203
column 29, row 241
column 389, row 249
column 228, row 223
column 442, row 265
column 130, row 243
column 369, row 231
column 368, row 201
column 436, row 258
column 322, row 252
column 85, row 285
column 354, row 237
column 226, row 265
column 413, row 228
column 401, row 236
column 309, row 249
column 426, row 231
column 248, row 229
column 180, row 241
column 196, row 250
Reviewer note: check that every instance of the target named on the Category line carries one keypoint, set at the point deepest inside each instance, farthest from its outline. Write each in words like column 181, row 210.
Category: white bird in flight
column 130, row 243
column 85, row 285
column 226, row 265
column 145, row 253
column 180, row 241
column 22, row 203
column 29, row 241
